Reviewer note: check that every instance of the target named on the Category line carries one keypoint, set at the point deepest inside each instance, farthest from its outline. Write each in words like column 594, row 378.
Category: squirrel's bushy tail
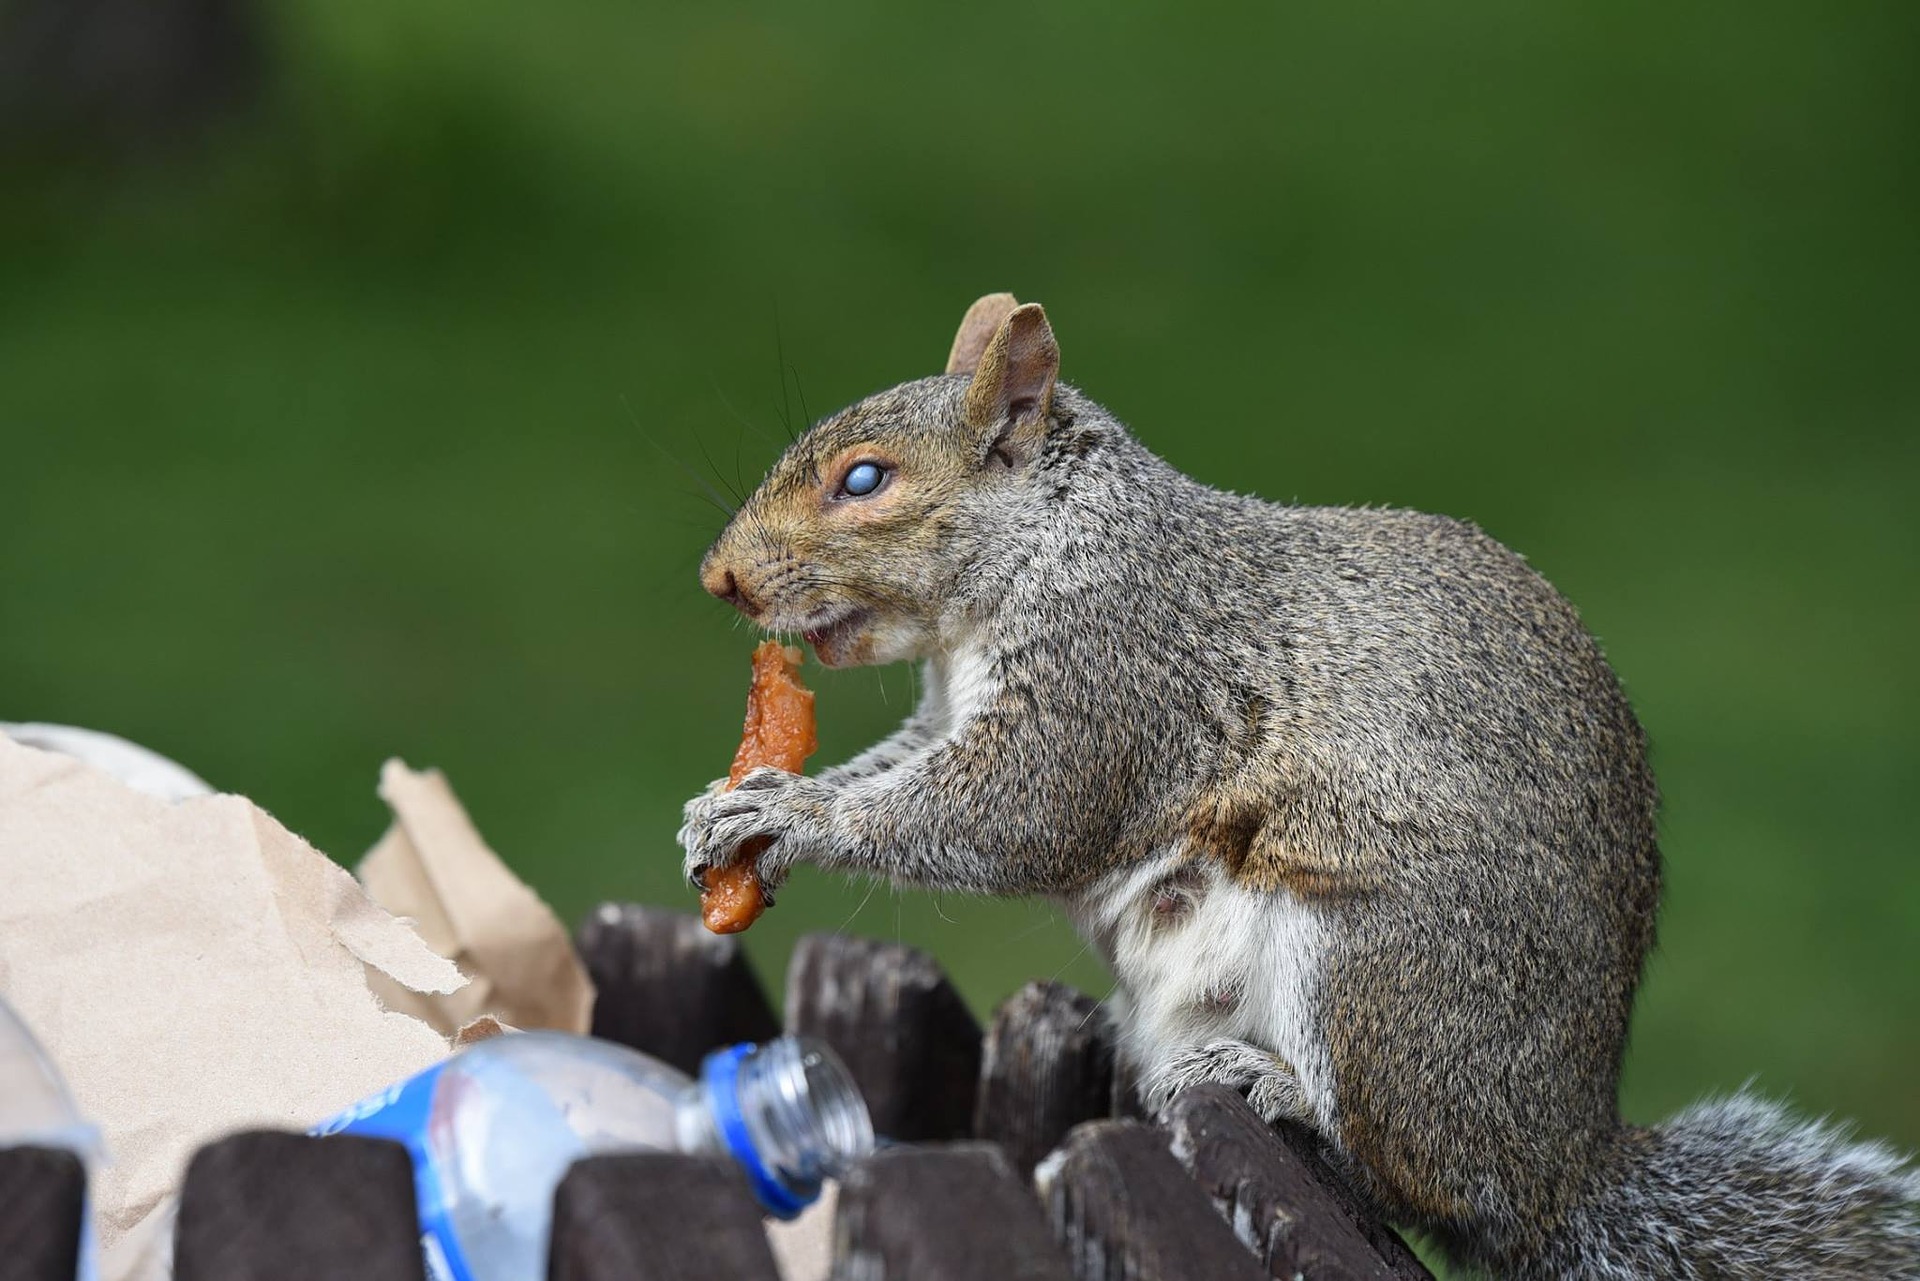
column 1737, row 1188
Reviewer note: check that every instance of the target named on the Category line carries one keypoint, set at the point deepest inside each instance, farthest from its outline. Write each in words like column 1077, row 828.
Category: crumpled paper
column 433, row 867
column 193, row 968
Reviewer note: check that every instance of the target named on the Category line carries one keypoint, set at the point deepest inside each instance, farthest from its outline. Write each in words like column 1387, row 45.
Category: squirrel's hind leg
column 1268, row 1081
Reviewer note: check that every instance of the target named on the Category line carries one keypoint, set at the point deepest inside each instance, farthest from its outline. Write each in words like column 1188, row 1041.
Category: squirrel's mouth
column 835, row 637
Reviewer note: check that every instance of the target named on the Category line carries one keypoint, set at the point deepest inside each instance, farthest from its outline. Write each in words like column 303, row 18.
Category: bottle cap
column 790, row 1114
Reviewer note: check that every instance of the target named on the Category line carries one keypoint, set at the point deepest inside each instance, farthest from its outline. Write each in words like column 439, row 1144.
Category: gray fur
column 1384, row 713
column 1737, row 1188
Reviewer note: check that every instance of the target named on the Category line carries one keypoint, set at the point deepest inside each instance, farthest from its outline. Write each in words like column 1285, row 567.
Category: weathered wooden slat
column 668, row 986
column 1126, row 1092
column 654, row 1216
column 42, row 1191
column 945, row 1212
column 294, row 1208
column 889, row 1012
column 1047, row 1066
column 1125, row 1210
column 1288, row 1206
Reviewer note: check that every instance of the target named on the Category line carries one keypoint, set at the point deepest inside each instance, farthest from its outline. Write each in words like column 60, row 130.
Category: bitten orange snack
column 779, row 732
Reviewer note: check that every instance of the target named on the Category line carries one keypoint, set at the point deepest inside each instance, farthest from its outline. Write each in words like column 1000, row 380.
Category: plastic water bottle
column 493, row 1129
column 37, row 1111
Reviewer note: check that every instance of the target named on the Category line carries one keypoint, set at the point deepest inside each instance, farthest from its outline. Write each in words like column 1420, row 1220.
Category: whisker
column 1070, row 960
column 1098, row 1005
column 806, row 414
column 738, row 480
column 712, row 494
column 872, row 885
column 1045, row 921
column 780, row 354
column 739, row 495
column 740, row 417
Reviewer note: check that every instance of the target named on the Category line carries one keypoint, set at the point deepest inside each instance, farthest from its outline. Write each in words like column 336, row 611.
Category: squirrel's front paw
column 1265, row 1078
column 787, row 809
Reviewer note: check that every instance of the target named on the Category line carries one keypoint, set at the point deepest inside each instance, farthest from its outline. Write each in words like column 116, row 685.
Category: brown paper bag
column 433, row 867
column 192, row 968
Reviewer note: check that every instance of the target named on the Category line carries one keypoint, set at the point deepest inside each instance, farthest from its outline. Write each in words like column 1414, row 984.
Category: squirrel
column 1349, row 800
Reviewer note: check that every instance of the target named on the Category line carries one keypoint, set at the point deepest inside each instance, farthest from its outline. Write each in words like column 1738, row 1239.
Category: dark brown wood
column 656, row 1216
column 668, row 986
column 1283, row 1200
column 293, row 1208
column 1047, row 1066
column 1125, row 1210
column 42, row 1191
column 1126, row 1092
column 944, row 1212
column 889, row 1012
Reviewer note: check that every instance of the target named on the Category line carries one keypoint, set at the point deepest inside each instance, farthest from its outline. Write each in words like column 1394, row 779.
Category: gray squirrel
column 1349, row 800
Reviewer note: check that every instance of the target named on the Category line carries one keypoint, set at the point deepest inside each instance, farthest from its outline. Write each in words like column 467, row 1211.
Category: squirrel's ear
column 1012, row 389
column 977, row 328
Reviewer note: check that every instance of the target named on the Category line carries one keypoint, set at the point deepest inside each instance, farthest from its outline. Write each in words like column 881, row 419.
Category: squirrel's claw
column 769, row 803
column 1265, row 1078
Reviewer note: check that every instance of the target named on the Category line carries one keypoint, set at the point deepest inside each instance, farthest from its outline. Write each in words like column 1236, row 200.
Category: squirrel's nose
column 724, row 585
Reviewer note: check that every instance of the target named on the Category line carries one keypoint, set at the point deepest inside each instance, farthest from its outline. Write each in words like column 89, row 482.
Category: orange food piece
column 730, row 898
column 779, row 732
column 780, row 729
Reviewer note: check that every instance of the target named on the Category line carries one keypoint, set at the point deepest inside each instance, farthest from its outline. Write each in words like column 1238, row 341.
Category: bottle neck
column 787, row 1111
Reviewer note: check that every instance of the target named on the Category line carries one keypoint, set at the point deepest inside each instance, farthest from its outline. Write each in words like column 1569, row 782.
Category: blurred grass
column 362, row 431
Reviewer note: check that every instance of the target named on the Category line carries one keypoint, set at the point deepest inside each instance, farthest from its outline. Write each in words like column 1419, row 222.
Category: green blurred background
column 359, row 422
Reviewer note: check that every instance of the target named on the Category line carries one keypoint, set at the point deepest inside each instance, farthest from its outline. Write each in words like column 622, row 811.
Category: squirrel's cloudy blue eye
column 862, row 479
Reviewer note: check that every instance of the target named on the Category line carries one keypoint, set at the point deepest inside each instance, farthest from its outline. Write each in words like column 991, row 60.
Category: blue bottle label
column 400, row 1113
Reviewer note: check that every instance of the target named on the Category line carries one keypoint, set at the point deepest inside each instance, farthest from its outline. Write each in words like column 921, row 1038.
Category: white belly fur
column 1267, row 950
column 967, row 682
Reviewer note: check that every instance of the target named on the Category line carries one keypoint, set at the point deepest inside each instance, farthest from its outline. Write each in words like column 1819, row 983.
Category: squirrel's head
column 860, row 533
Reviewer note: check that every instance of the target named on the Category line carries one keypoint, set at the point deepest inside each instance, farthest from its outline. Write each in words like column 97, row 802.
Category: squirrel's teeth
column 834, row 629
